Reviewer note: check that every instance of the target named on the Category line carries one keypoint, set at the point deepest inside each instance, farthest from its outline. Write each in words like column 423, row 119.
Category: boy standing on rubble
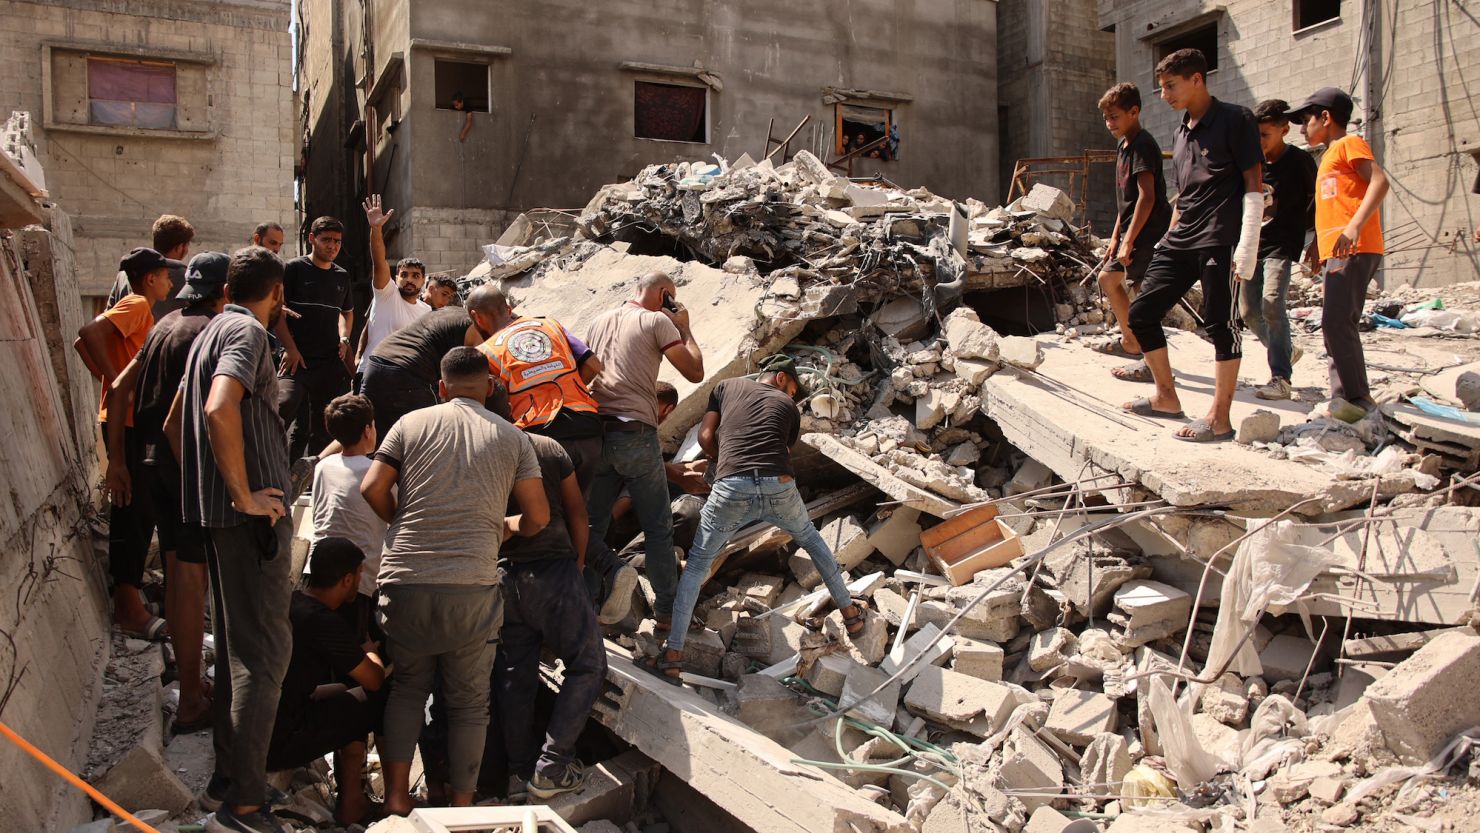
column 1142, row 211
column 1289, row 212
column 1350, row 186
column 748, row 432
column 1213, row 239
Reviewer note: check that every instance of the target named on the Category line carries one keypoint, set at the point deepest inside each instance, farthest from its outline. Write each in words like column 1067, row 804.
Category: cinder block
column 1077, row 716
column 829, row 673
column 974, row 658
column 1430, row 697
column 945, row 695
column 878, row 708
column 1029, row 765
column 142, row 781
column 612, row 790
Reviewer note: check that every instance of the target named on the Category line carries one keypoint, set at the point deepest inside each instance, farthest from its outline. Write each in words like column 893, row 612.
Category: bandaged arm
column 1246, row 253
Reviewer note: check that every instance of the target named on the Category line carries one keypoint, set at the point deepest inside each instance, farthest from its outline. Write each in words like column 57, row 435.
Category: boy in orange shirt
column 1350, row 186
column 107, row 344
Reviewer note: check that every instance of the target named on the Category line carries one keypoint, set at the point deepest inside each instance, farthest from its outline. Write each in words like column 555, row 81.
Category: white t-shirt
column 339, row 511
column 388, row 312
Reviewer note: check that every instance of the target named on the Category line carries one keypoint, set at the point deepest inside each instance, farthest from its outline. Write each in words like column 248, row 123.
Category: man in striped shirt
column 234, row 468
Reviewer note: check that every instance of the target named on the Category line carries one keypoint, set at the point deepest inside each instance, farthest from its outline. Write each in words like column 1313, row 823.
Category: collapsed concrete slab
column 1430, row 697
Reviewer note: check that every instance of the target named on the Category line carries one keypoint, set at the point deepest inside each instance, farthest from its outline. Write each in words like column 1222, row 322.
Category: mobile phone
column 668, row 303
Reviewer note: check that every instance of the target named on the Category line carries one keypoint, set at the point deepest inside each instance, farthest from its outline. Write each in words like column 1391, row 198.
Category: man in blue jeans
column 632, row 341
column 748, row 430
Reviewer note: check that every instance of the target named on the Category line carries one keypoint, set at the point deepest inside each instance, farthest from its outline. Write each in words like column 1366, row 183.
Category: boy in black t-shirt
column 1289, row 212
column 315, row 338
column 327, row 652
column 1142, row 211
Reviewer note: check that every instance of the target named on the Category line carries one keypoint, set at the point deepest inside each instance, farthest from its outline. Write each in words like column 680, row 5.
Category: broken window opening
column 1204, row 39
column 1311, row 12
column 861, row 126
column 123, row 92
column 461, row 79
column 670, row 112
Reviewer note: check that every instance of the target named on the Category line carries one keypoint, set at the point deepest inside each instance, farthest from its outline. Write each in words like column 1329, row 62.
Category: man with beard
column 395, row 303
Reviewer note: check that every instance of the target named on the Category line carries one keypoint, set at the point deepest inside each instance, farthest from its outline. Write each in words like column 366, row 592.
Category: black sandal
column 659, row 666
column 856, row 619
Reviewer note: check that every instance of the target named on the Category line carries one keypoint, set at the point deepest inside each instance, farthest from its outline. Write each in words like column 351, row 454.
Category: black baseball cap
column 204, row 277
column 1326, row 98
column 782, row 363
column 143, row 260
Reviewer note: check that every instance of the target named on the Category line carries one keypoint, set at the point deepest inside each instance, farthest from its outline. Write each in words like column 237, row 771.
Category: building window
column 670, row 112
column 862, row 126
column 1310, row 12
column 460, row 78
column 131, row 93
column 1204, row 39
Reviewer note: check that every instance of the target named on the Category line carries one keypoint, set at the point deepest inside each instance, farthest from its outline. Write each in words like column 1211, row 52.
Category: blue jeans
column 1262, row 306
column 736, row 501
column 635, row 458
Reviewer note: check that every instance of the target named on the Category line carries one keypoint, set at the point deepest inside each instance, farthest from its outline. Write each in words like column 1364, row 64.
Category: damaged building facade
column 1408, row 65
column 148, row 108
column 563, row 97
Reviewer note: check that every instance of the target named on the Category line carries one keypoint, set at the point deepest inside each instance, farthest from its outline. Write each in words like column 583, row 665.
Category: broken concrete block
column 1106, row 761
column 1146, row 823
column 1078, row 716
column 869, row 645
column 903, row 318
column 1227, row 707
column 739, row 265
column 1048, row 820
column 772, row 709
column 848, row 541
column 1149, row 610
column 896, row 536
column 702, row 651
column 974, row 658
column 956, row 698
column 1050, row 648
column 1286, row 657
column 1328, row 788
column 929, row 640
column 969, row 338
column 761, row 587
column 1430, row 697
column 1020, row 351
column 1262, row 426
column 878, row 708
column 974, row 371
column 829, row 673
column 1341, row 815
column 1030, row 476
column 930, row 410
column 1048, row 201
column 612, row 790
column 1029, row 765
column 803, row 570
column 141, row 780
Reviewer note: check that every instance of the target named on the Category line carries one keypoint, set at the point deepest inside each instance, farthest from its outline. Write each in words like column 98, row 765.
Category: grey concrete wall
column 562, row 120
column 116, row 182
column 1414, row 81
column 54, row 622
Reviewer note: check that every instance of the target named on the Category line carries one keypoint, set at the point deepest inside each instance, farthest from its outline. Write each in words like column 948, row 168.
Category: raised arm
column 376, row 218
column 685, row 356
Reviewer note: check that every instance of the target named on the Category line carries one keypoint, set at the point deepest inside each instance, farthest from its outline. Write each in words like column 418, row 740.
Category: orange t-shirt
column 1339, row 192
column 133, row 315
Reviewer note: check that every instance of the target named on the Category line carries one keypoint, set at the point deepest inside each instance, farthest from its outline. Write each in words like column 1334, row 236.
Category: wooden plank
column 746, row 773
column 880, row 477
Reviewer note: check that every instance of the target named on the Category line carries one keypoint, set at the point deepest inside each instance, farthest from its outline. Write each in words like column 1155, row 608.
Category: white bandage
column 1246, row 253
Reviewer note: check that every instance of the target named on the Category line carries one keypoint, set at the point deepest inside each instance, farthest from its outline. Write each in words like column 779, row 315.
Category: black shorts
column 159, row 488
column 1140, row 261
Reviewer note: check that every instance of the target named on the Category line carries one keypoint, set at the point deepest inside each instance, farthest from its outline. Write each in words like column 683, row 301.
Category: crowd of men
column 475, row 471
column 470, row 471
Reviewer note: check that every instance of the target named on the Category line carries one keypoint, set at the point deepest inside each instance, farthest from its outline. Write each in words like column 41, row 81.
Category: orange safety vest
column 535, row 363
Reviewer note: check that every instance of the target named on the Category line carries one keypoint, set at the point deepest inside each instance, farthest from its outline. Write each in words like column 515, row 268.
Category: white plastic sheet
column 1189, row 762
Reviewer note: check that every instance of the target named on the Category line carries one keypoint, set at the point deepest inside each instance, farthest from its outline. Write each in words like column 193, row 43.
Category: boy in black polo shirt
column 316, row 349
column 1213, row 239
column 1142, row 212
column 1289, row 212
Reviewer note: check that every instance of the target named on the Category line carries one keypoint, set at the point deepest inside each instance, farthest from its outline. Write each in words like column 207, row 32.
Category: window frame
column 487, row 67
column 174, row 102
column 1296, row 27
column 1164, row 46
column 204, row 62
column 676, row 81
column 838, row 108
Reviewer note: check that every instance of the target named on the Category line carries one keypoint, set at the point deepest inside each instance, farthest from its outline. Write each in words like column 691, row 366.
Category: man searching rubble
column 1217, row 165
column 632, row 341
column 442, row 479
column 748, row 431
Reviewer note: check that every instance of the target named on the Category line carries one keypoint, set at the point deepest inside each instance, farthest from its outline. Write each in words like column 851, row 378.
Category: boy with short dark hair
column 1213, row 240
column 338, row 508
column 1289, row 212
column 1350, row 187
column 1142, row 211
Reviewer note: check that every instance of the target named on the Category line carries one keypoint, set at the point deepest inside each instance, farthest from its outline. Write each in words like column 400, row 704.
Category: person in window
column 460, row 104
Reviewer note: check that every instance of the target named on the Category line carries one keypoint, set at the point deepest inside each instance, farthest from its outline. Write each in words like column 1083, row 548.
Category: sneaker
column 1295, row 354
column 300, row 475
column 214, row 795
column 1276, row 389
column 619, row 601
column 570, row 777
column 518, row 790
column 225, row 821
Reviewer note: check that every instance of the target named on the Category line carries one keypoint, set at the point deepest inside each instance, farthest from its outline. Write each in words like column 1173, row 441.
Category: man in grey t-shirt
column 442, row 479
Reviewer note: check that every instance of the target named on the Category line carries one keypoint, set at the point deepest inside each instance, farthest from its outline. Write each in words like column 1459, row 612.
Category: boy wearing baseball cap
column 1350, row 186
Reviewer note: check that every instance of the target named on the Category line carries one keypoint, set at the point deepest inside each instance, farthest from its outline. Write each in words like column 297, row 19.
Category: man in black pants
column 316, row 343
column 234, row 468
column 1214, row 239
column 328, row 652
column 546, row 608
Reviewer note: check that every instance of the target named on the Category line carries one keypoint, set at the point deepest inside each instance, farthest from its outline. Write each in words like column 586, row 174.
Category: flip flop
column 200, row 724
column 156, row 631
column 1113, row 347
column 659, row 667
column 1142, row 407
column 1202, row 432
column 1135, row 372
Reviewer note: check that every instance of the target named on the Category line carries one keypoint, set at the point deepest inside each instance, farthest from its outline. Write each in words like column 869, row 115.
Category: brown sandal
column 659, row 666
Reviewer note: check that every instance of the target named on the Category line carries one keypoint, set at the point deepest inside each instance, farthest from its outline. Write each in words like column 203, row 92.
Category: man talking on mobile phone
column 632, row 341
